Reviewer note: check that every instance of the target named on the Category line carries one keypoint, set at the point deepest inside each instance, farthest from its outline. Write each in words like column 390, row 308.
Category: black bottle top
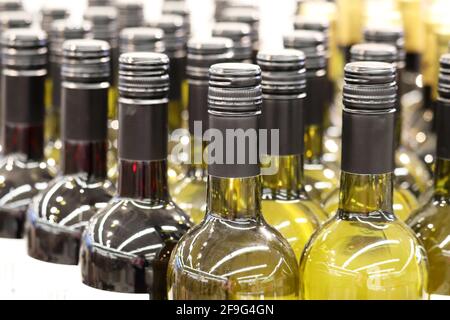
column 100, row 3
column 240, row 33
column 369, row 96
column 104, row 23
column 284, row 92
column 142, row 39
column 143, row 88
column 24, row 61
column 380, row 52
column 443, row 109
column 312, row 44
column 85, row 73
column 130, row 13
column 175, row 34
column 249, row 16
column 234, row 103
column 389, row 35
column 202, row 54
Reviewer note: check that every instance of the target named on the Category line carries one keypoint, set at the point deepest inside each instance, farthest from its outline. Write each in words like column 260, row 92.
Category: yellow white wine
column 286, row 205
column 432, row 222
column 233, row 254
column 364, row 252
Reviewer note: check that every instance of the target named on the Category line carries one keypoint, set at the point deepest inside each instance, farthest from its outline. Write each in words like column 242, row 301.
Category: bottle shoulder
column 71, row 200
column 362, row 237
column 432, row 221
column 219, row 239
column 138, row 224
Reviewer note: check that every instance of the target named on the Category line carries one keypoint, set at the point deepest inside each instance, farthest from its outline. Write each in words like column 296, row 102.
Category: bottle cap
column 389, row 35
column 235, row 88
column 444, row 76
column 144, row 75
column 203, row 53
column 283, row 72
column 312, row 44
column 240, row 34
column 142, row 39
column 374, row 52
column 86, row 61
column 14, row 20
column 131, row 13
column 243, row 15
column 370, row 85
column 63, row 30
column 178, row 8
column 104, row 22
column 175, row 31
column 100, row 3
column 24, row 49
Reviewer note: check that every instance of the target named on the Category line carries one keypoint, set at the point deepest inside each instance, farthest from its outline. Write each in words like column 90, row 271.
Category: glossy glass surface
column 404, row 203
column 59, row 215
column 20, row 181
column 364, row 252
column 128, row 244
column 233, row 254
column 287, row 207
column 190, row 195
column 364, row 257
column 432, row 225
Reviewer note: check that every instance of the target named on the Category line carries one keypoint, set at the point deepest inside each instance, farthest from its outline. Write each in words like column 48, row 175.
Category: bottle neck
column 143, row 180
column 363, row 194
column 197, row 168
column 85, row 157
column 287, row 181
column 27, row 140
column 313, row 144
column 442, row 178
column 234, row 198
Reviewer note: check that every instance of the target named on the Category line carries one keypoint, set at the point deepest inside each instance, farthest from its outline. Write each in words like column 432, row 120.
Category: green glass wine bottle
column 364, row 252
column 190, row 192
column 233, row 254
column 431, row 223
column 286, row 205
column 406, row 185
column 319, row 176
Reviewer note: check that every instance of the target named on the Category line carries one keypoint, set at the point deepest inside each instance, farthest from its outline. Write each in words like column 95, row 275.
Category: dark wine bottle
column 127, row 246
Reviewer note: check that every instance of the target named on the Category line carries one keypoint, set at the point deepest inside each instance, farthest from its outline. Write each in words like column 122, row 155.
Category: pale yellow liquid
column 364, row 259
column 432, row 226
column 404, row 203
column 190, row 195
column 296, row 220
column 321, row 178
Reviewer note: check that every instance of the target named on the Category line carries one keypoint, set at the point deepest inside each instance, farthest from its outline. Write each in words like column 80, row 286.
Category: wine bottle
column 406, row 185
column 250, row 16
column 286, row 206
column 13, row 20
column 364, row 252
column 104, row 22
column 59, row 32
column 320, row 178
column 128, row 243
column 431, row 222
column 411, row 171
column 190, row 192
column 240, row 33
column 142, row 39
column 233, row 254
column 175, row 37
column 59, row 214
column 48, row 15
column 23, row 170
column 221, row 5
column 100, row 3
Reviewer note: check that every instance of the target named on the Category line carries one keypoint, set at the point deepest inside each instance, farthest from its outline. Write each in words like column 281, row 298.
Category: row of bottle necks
column 318, row 174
